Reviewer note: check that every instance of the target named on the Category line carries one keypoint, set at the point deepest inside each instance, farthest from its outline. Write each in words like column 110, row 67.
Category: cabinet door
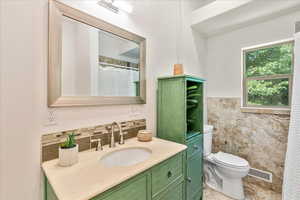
column 194, row 176
column 171, row 109
column 135, row 189
column 175, row 192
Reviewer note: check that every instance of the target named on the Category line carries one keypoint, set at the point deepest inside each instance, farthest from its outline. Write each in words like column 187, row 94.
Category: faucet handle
column 122, row 141
column 124, row 132
column 99, row 143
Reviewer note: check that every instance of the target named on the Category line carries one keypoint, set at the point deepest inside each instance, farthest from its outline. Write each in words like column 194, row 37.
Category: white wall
column 1, row 111
column 24, row 83
column 223, row 64
column 22, row 58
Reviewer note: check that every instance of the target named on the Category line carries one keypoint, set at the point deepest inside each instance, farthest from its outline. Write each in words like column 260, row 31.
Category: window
column 268, row 75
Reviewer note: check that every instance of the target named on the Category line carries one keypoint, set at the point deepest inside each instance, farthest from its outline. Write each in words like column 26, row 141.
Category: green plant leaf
column 192, row 101
column 192, row 92
column 194, row 87
column 191, row 106
column 70, row 142
column 193, row 95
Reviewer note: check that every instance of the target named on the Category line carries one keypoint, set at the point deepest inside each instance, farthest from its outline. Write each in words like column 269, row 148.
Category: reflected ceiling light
column 115, row 6
column 108, row 4
column 123, row 5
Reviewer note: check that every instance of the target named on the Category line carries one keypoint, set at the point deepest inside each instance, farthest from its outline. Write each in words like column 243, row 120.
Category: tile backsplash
column 50, row 142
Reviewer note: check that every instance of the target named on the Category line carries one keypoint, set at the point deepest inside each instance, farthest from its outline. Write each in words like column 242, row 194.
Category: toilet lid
column 230, row 160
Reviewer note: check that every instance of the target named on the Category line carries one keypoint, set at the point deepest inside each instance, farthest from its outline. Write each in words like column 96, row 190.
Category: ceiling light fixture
column 115, row 6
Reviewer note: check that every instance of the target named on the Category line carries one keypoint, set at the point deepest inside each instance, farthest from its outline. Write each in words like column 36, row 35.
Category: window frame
column 260, row 108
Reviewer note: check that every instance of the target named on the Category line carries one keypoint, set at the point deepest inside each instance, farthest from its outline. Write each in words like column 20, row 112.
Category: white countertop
column 89, row 177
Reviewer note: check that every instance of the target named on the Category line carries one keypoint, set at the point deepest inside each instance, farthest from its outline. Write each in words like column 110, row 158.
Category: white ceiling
column 220, row 16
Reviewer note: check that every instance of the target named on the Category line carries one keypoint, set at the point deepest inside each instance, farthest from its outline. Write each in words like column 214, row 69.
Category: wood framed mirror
column 92, row 62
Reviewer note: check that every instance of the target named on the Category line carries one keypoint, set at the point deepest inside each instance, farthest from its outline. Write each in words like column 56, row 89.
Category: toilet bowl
column 223, row 171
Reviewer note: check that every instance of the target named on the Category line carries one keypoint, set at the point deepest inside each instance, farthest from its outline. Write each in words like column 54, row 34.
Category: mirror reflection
column 97, row 63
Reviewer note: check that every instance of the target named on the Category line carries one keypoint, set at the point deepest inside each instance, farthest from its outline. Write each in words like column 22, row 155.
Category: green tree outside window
column 268, row 75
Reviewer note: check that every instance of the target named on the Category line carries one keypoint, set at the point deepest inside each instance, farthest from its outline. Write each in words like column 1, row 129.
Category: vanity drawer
column 167, row 173
column 175, row 192
column 195, row 145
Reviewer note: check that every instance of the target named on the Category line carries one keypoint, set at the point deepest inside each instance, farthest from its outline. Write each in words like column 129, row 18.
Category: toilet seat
column 230, row 160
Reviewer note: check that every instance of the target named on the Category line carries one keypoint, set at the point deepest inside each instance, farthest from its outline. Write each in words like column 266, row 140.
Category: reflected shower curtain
column 291, row 183
column 117, row 82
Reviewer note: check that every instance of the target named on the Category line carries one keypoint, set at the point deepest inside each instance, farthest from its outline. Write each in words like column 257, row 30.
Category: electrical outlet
column 51, row 118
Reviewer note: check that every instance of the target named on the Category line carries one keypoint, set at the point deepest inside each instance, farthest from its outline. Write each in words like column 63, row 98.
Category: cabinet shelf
column 192, row 134
column 194, row 105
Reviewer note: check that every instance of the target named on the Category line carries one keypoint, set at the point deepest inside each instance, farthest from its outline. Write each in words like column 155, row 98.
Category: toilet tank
column 207, row 139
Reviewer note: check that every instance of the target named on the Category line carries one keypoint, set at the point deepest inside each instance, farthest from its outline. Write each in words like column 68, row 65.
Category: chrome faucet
column 122, row 133
column 112, row 138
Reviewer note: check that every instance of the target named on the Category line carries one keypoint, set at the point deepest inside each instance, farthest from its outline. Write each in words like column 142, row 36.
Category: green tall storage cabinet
column 180, row 119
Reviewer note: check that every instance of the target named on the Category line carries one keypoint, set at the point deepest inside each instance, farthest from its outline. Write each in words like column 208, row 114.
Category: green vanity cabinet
column 164, row 181
column 180, row 119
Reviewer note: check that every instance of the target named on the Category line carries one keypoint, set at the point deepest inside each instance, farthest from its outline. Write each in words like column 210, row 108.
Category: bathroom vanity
column 152, row 170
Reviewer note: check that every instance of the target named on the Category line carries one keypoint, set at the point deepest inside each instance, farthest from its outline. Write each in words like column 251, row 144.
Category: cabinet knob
column 169, row 174
column 189, row 179
column 196, row 147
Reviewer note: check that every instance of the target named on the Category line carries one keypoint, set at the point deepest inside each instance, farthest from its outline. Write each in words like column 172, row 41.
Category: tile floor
column 252, row 193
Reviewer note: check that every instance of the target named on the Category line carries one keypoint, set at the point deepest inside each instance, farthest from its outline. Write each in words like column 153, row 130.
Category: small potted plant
column 68, row 152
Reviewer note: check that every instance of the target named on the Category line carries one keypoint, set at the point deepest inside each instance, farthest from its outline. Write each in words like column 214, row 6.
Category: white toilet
column 223, row 172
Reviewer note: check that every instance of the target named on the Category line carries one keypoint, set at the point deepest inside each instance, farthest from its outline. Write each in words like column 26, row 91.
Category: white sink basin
column 126, row 157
